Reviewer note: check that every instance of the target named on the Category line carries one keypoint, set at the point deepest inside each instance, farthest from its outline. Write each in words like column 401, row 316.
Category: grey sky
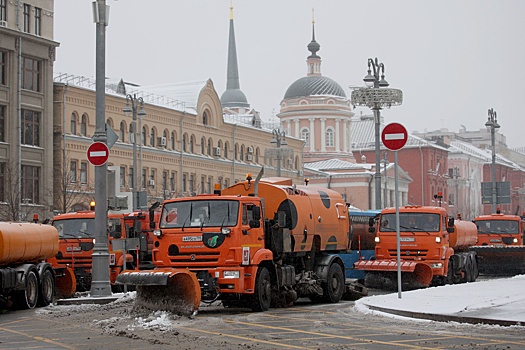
column 453, row 59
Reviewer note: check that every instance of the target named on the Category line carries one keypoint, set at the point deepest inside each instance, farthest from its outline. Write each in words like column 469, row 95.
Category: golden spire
column 231, row 9
column 313, row 19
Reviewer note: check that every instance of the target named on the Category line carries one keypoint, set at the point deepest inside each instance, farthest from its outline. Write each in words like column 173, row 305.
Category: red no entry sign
column 98, row 153
column 394, row 136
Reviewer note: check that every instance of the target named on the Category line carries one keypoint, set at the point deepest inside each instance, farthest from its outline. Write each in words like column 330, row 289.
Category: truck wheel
column 28, row 298
column 47, row 289
column 334, row 287
column 263, row 290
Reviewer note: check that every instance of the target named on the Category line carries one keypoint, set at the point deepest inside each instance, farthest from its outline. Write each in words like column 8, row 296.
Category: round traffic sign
column 394, row 136
column 98, row 153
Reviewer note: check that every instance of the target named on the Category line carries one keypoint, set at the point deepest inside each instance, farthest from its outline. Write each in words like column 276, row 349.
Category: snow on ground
column 496, row 299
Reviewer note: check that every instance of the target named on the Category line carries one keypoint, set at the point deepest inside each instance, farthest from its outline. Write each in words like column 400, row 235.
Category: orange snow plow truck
column 26, row 279
column 500, row 245
column 434, row 249
column 256, row 244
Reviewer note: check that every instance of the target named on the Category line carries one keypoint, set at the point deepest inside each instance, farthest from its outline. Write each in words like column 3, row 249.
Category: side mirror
column 255, row 223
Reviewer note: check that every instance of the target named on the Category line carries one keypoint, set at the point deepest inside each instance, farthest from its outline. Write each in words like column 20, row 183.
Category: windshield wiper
column 189, row 216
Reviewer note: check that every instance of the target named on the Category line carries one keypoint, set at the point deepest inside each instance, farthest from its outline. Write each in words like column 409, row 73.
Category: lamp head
column 369, row 79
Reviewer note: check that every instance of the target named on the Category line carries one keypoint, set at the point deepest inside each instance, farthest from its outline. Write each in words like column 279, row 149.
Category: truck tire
column 28, row 298
column 334, row 287
column 262, row 297
column 47, row 288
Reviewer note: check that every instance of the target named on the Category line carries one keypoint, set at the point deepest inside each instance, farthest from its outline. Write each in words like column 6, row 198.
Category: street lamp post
column 279, row 138
column 385, row 164
column 376, row 96
column 492, row 125
column 137, row 103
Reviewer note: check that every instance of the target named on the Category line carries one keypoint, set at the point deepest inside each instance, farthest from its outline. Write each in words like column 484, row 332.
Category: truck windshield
column 497, row 226
column 410, row 222
column 200, row 213
column 75, row 228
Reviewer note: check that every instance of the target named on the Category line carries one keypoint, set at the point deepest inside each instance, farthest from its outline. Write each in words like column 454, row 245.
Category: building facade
column 27, row 55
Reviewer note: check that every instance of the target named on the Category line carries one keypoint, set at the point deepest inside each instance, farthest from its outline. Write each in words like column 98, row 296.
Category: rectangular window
column 165, row 180
column 184, row 185
column 2, row 123
column 31, row 74
column 192, row 183
column 122, row 176
column 210, row 181
column 27, row 17
column 172, row 181
column 130, row 177
column 31, row 184
column 30, row 127
column 144, row 175
column 203, row 179
column 83, row 173
column 2, row 182
column 3, row 68
column 73, row 171
column 38, row 21
column 3, row 10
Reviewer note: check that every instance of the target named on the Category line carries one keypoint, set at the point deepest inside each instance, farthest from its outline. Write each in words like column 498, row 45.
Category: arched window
column 173, row 140
column 203, row 145
column 184, row 142
column 165, row 137
column 83, row 125
column 241, row 155
column 205, row 120
column 226, row 150
column 209, row 147
column 143, row 136
column 122, row 131
column 152, row 137
column 74, row 123
column 305, row 135
column 192, row 144
column 235, row 151
column 329, row 138
column 257, row 151
column 131, row 135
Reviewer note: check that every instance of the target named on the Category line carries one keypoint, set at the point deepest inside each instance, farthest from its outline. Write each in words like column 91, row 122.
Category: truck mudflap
column 500, row 260
column 174, row 290
column 421, row 272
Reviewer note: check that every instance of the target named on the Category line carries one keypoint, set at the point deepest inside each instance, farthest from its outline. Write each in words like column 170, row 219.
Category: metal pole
column 493, row 168
column 385, row 191
column 100, row 285
column 398, row 236
column 134, row 180
column 377, row 175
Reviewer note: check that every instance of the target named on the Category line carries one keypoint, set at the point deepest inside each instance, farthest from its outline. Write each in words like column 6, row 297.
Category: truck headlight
column 515, row 240
column 157, row 233
column 376, row 239
column 231, row 274
column 438, row 239
column 436, row 265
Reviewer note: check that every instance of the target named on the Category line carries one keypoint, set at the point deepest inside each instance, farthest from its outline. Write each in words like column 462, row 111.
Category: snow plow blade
column 420, row 272
column 174, row 290
column 65, row 283
column 504, row 260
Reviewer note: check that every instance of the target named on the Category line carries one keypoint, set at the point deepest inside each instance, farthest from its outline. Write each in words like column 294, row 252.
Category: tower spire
column 313, row 61
column 233, row 96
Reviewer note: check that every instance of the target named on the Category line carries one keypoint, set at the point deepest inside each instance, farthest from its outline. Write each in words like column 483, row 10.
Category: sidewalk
column 498, row 302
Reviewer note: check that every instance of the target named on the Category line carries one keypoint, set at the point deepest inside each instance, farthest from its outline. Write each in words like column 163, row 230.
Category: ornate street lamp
column 492, row 125
column 279, row 138
column 137, row 103
column 376, row 96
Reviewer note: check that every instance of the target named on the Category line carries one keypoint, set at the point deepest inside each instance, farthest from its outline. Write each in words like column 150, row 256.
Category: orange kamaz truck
column 434, row 249
column 500, row 246
column 255, row 244
column 77, row 234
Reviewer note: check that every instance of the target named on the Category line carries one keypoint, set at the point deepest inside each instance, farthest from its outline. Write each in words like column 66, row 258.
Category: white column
column 323, row 135
column 297, row 130
column 289, row 127
column 337, row 136
column 312, row 134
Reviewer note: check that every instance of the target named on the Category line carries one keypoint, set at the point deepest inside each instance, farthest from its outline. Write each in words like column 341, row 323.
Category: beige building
column 185, row 146
column 27, row 54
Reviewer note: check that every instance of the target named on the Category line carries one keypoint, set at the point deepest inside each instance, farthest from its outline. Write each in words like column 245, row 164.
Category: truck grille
column 410, row 254
column 200, row 258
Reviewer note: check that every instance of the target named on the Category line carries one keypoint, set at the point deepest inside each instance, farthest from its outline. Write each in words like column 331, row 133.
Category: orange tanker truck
column 500, row 246
column 255, row 244
column 26, row 279
column 434, row 249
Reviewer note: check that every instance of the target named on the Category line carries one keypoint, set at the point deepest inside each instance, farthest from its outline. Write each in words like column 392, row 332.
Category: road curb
column 445, row 318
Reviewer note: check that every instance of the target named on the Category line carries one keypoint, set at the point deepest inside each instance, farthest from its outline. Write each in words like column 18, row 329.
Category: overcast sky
column 452, row 59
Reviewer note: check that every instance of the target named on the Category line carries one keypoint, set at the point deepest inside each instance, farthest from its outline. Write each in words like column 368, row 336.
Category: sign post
column 394, row 137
